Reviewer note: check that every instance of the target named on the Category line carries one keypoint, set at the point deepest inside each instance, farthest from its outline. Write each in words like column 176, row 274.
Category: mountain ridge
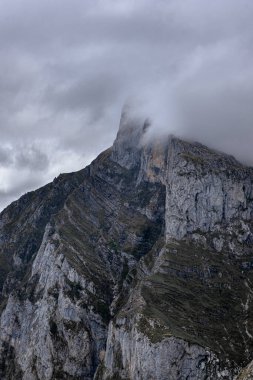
column 105, row 270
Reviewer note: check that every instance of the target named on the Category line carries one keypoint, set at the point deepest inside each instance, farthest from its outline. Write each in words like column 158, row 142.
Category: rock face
column 138, row 267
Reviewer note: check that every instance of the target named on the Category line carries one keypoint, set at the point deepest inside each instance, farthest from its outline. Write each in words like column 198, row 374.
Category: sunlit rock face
column 139, row 266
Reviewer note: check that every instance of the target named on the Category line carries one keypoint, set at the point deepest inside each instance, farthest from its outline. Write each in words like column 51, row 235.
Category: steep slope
column 196, row 285
column 68, row 252
column 137, row 267
column 22, row 224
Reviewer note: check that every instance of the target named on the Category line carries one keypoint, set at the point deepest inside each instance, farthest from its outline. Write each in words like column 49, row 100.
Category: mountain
column 139, row 266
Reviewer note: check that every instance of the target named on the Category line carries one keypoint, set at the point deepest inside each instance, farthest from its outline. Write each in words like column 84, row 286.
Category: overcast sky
column 68, row 66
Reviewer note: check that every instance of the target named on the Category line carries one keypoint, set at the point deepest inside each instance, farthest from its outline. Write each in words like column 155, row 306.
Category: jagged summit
column 136, row 267
column 130, row 139
column 156, row 159
column 133, row 138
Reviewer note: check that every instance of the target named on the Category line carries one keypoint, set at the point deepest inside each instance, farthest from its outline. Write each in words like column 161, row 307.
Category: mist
column 186, row 64
column 210, row 102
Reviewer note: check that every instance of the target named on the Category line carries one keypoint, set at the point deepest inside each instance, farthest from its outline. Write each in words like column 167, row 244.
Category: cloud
column 5, row 156
column 67, row 67
column 23, row 157
column 32, row 158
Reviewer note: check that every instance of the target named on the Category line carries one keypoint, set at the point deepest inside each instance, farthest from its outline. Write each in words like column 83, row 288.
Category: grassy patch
column 197, row 295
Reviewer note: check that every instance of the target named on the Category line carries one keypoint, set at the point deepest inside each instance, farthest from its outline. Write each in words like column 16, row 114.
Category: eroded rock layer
column 138, row 267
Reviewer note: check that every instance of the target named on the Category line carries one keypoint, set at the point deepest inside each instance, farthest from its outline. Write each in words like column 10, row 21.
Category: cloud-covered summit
column 67, row 67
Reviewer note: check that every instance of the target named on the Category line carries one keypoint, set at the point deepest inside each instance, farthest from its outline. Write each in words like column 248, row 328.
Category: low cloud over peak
column 63, row 81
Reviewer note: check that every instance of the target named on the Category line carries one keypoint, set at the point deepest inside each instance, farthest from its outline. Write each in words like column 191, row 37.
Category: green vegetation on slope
column 201, row 296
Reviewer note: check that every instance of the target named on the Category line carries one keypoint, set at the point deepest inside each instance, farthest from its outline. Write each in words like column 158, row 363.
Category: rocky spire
column 130, row 138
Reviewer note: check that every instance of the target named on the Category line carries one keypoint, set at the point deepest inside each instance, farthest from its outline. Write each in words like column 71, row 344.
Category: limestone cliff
column 138, row 267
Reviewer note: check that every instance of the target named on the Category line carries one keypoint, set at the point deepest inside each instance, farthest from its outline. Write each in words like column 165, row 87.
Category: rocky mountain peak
column 137, row 267
column 138, row 146
column 130, row 138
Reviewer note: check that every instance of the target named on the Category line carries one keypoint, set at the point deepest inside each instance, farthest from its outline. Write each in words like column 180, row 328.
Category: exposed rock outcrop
column 138, row 267
column 131, row 354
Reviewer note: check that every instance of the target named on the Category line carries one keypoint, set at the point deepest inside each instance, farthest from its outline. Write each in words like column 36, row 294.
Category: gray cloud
column 67, row 67
column 32, row 158
column 23, row 157
column 6, row 158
